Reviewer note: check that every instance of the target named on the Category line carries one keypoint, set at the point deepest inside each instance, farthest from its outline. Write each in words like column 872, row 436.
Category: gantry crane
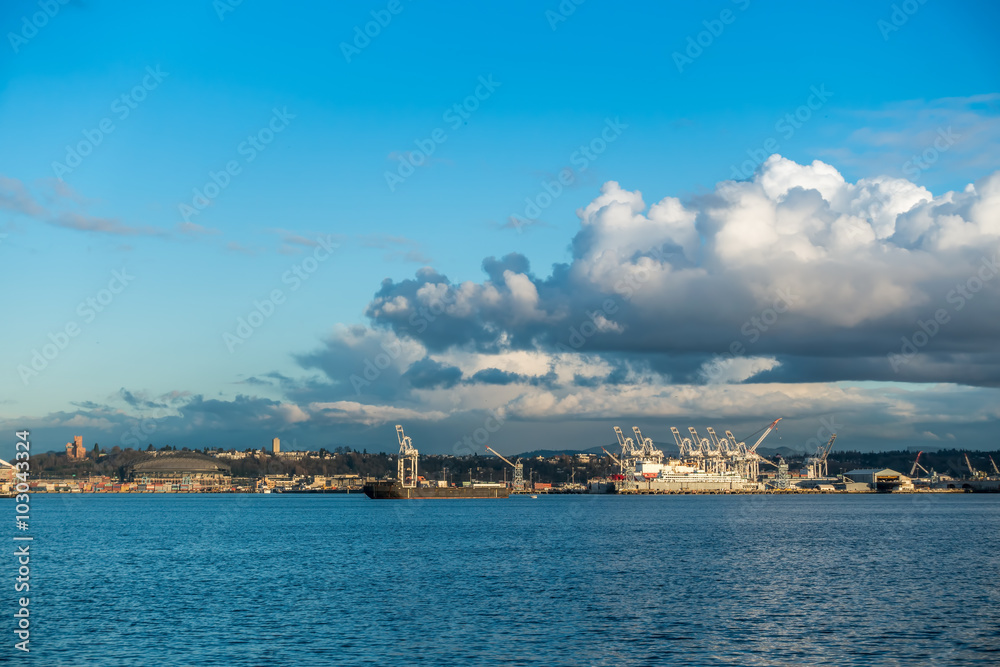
column 996, row 470
column 518, row 467
column 684, row 446
column 407, row 468
column 646, row 447
column 629, row 455
column 816, row 464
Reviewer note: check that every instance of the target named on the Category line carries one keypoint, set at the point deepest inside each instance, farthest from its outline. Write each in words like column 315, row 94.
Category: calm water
column 578, row 580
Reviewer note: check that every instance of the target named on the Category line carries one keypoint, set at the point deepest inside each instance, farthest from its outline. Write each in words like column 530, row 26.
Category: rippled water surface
column 561, row 580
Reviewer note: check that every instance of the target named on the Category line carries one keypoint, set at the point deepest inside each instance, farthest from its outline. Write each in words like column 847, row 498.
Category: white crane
column 684, row 446
column 750, row 453
column 629, row 455
column 407, row 467
column 816, row 464
column 646, row 448
column 518, row 467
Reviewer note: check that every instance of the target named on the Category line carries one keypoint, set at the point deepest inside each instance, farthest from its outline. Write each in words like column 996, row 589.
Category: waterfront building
column 196, row 473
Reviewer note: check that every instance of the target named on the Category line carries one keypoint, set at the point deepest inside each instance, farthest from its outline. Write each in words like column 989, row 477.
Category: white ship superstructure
column 704, row 464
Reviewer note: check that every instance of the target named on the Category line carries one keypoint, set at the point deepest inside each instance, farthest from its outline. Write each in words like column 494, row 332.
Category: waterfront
column 250, row 579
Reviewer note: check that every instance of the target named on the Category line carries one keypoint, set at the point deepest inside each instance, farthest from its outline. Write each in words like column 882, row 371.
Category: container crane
column 518, row 467
column 629, row 456
column 750, row 453
column 646, row 446
column 407, row 460
column 684, row 447
column 816, row 464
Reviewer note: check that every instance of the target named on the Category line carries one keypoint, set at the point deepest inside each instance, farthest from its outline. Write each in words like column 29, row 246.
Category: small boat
column 535, row 497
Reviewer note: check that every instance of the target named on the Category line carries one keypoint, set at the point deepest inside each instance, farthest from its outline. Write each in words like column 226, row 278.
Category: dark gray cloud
column 430, row 374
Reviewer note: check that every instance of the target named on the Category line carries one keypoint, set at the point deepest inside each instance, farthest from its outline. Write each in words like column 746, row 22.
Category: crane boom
column 502, row 458
column 971, row 469
column 993, row 463
column 681, row 448
column 621, row 438
column 829, row 446
column 916, row 464
column 768, row 431
column 613, row 457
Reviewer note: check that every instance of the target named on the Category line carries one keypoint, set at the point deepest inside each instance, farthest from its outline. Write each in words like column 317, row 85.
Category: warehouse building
column 882, row 479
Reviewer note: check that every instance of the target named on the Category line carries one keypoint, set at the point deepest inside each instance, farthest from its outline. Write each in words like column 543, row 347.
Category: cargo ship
column 408, row 485
column 393, row 490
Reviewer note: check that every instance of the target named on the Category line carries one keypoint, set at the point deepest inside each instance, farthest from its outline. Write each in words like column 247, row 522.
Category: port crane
column 407, row 468
column 684, row 446
column 816, row 464
column 518, row 467
column 996, row 470
column 647, row 449
column 975, row 473
column 752, row 468
column 916, row 464
column 612, row 457
column 629, row 455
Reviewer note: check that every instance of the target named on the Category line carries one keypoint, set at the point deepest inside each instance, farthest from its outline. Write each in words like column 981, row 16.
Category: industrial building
column 880, row 479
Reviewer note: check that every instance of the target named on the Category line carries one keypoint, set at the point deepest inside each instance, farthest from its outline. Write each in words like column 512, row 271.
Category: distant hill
column 548, row 453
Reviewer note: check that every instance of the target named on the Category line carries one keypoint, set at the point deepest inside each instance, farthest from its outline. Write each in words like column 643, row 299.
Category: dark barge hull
column 393, row 491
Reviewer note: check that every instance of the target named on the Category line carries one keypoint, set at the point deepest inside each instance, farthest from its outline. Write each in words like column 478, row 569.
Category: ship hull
column 393, row 491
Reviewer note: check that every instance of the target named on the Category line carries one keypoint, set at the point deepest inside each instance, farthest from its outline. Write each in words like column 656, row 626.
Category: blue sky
column 184, row 86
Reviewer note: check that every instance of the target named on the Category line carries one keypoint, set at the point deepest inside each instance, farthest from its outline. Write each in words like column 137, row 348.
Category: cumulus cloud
column 822, row 276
